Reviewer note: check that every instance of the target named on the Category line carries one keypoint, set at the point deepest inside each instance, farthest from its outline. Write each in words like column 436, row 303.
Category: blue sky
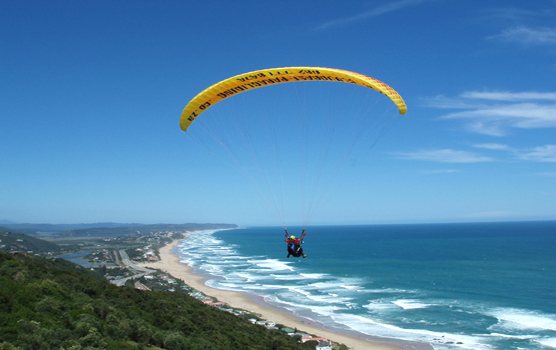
column 91, row 94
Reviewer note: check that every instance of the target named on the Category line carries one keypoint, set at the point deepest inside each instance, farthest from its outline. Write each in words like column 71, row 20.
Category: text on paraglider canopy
column 252, row 77
column 274, row 73
column 204, row 105
column 259, row 82
column 306, row 71
column 251, row 85
column 192, row 116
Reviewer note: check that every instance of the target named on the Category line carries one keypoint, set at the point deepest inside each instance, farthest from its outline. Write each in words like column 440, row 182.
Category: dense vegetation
column 54, row 304
column 10, row 241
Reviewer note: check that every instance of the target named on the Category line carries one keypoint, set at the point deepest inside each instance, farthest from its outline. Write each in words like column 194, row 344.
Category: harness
column 295, row 247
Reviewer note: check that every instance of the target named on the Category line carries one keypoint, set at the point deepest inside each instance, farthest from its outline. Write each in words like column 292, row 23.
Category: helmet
column 292, row 237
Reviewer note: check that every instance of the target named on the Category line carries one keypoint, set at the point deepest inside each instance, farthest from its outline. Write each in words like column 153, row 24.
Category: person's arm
column 303, row 235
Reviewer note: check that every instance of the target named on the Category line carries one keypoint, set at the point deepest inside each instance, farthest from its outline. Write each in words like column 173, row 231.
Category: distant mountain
column 106, row 228
column 30, row 229
column 144, row 229
column 7, row 222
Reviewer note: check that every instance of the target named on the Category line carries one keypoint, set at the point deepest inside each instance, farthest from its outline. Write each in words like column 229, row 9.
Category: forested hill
column 10, row 241
column 74, row 230
column 53, row 304
column 144, row 229
column 31, row 229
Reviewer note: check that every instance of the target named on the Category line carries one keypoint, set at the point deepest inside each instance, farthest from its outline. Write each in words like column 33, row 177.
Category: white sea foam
column 297, row 290
column 290, row 277
column 408, row 304
column 272, row 264
column 328, row 299
column 350, row 287
column 525, row 336
column 316, row 310
column 439, row 340
column 273, row 286
column 549, row 342
column 327, row 310
column 324, row 285
column 314, row 275
column 251, row 287
column 245, row 277
column 512, row 319
column 227, row 285
column 387, row 291
column 380, row 304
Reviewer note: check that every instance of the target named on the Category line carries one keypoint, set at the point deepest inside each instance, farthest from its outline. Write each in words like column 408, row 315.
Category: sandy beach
column 171, row 265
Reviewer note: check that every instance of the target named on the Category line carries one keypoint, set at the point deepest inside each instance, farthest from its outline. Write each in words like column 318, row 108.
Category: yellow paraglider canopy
column 266, row 77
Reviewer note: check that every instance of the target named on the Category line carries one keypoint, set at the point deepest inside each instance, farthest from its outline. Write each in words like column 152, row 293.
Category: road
column 125, row 260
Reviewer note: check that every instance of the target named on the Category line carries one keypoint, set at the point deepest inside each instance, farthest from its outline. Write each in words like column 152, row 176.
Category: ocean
column 439, row 286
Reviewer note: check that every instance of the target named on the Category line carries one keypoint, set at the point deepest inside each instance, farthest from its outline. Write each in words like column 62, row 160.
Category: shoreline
column 170, row 263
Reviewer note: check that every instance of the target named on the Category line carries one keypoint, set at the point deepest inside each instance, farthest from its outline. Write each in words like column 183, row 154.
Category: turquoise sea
column 437, row 286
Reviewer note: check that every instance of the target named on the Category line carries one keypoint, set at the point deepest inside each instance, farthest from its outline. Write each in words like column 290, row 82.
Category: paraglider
column 261, row 140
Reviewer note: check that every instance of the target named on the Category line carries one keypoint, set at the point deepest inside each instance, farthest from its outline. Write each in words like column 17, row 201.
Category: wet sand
column 170, row 264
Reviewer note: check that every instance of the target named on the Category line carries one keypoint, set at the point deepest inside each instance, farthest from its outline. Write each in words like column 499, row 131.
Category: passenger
column 294, row 245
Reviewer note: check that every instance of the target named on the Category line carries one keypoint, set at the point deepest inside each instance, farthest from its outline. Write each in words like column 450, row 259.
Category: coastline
column 170, row 263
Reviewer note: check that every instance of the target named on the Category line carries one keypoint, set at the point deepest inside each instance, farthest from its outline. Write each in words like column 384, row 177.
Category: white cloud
column 516, row 115
column 509, row 96
column 443, row 102
column 493, row 113
column 493, row 146
column 541, row 154
column 491, row 128
column 445, row 156
column 545, row 153
column 528, row 36
column 389, row 7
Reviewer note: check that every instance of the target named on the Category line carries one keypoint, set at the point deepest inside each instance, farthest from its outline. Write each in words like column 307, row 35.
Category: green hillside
column 10, row 241
column 54, row 304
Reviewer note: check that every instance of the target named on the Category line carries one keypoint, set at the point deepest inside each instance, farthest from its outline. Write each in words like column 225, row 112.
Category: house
column 323, row 343
column 141, row 286
column 288, row 330
column 217, row 304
